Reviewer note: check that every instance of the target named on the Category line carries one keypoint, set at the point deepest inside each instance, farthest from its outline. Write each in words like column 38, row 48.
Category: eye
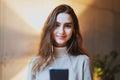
column 68, row 25
column 57, row 25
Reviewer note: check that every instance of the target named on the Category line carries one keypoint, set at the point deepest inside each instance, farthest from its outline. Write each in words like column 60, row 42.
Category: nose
column 61, row 29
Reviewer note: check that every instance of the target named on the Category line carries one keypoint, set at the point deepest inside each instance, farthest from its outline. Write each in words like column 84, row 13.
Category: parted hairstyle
column 46, row 50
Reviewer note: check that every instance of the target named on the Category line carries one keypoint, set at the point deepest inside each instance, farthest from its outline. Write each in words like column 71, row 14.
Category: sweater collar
column 60, row 51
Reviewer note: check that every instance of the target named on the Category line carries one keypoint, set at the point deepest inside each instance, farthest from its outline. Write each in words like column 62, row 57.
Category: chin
column 61, row 43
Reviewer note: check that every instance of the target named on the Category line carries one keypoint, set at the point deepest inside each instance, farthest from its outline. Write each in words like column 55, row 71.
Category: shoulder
column 34, row 60
column 84, row 60
column 82, row 57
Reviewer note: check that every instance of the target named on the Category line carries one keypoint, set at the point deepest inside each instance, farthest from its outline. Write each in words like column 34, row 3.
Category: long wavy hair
column 46, row 50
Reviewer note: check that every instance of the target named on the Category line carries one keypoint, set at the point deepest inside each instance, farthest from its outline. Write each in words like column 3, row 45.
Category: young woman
column 61, row 48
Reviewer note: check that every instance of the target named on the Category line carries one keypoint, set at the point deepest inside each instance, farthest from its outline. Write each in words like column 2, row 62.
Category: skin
column 63, row 29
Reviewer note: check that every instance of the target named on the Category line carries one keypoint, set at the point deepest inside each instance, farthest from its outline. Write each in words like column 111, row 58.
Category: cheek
column 69, row 33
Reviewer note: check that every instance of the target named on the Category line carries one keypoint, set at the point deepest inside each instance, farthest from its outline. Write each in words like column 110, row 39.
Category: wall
column 19, row 40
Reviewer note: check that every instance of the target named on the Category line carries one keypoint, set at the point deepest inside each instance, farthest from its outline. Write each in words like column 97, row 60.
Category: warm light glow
column 34, row 13
column 22, row 75
column 31, row 12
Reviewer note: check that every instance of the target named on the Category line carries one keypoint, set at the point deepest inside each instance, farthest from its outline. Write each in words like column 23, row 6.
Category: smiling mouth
column 61, row 37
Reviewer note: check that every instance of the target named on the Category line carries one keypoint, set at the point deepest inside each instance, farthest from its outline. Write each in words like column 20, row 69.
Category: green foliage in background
column 106, row 67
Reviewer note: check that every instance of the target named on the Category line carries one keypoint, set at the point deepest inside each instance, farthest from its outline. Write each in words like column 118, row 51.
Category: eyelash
column 57, row 25
column 68, row 26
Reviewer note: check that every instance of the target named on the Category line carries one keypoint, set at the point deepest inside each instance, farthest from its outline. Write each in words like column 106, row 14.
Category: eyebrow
column 66, row 23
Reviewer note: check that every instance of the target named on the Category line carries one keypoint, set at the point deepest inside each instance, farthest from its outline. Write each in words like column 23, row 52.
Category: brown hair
column 45, row 51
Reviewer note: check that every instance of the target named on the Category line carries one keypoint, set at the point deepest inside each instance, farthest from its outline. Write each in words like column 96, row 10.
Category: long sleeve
column 87, row 70
column 29, row 74
column 83, row 68
column 30, row 66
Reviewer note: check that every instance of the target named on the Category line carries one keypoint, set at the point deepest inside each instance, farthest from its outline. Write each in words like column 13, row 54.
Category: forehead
column 64, row 17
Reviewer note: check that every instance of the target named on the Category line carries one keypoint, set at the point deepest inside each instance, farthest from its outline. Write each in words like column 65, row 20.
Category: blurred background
column 21, row 22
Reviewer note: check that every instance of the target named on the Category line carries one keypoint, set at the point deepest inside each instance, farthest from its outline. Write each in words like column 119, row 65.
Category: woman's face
column 63, row 29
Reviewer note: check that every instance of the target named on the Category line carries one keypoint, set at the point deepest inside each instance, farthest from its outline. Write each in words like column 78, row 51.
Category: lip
column 61, row 36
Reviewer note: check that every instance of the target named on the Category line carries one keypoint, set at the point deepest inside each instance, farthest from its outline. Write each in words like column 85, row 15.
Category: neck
column 60, row 51
column 59, row 45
